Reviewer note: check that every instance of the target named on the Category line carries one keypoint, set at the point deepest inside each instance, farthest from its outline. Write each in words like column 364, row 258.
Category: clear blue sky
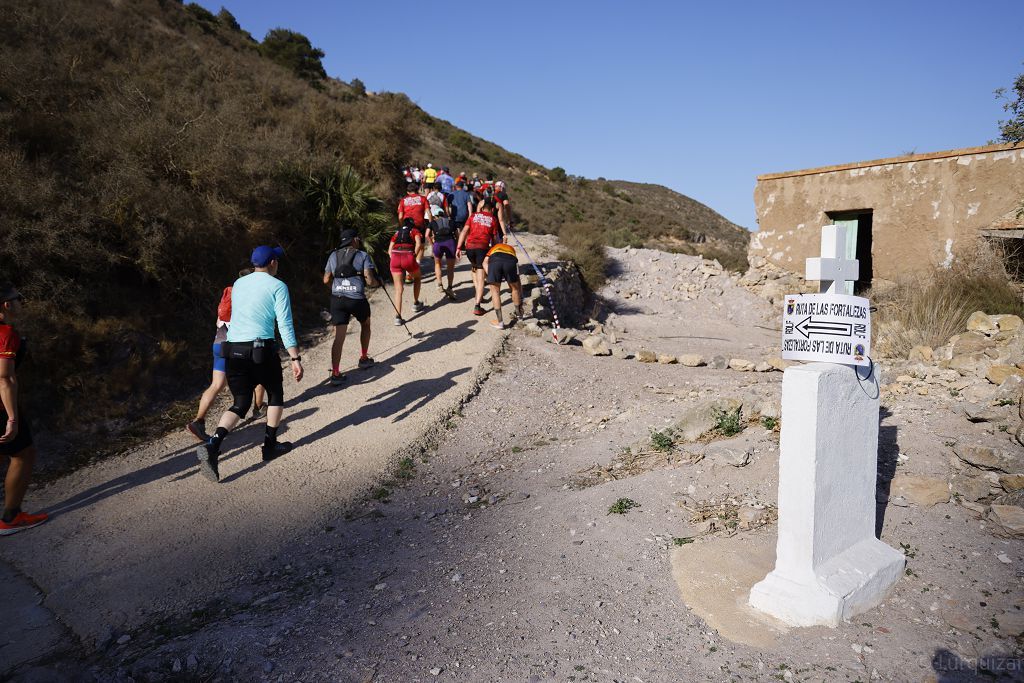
column 700, row 97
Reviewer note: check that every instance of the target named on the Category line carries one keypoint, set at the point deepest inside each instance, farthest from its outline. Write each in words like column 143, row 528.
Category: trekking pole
column 544, row 282
column 396, row 308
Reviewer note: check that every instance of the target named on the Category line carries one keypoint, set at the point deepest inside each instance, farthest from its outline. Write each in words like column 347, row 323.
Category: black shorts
column 22, row 441
column 343, row 308
column 499, row 269
column 476, row 257
column 244, row 376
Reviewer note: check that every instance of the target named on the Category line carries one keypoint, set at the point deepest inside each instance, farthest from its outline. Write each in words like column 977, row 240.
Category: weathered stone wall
column 927, row 208
column 567, row 290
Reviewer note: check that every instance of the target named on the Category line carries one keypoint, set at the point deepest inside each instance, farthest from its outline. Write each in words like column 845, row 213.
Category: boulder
column 971, row 342
column 981, row 322
column 980, row 413
column 666, row 359
column 700, row 419
column 1009, row 519
column 736, row 455
column 532, row 329
column 970, row 363
column 1011, row 482
column 1011, row 388
column 718, row 363
column 779, row 364
column 921, row 491
column 971, row 488
column 987, row 458
column 769, row 408
column 1007, row 323
column 997, row 374
column 646, row 356
column 596, row 345
column 740, row 364
column 691, row 360
column 763, row 366
column 921, row 354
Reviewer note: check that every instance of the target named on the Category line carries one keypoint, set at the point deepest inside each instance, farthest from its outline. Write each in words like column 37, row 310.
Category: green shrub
column 662, row 441
column 557, row 174
column 584, row 247
column 622, row 506
column 293, row 51
column 728, row 422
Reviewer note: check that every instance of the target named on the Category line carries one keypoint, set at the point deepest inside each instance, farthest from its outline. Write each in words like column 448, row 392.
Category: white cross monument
column 829, row 566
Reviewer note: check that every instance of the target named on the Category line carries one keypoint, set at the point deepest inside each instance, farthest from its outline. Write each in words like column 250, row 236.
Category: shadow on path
column 398, row 403
column 177, row 465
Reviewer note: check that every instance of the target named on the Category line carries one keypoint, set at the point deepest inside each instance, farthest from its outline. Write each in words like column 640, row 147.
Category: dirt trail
column 143, row 534
column 497, row 558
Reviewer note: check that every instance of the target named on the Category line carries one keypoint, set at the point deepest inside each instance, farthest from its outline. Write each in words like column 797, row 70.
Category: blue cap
column 261, row 256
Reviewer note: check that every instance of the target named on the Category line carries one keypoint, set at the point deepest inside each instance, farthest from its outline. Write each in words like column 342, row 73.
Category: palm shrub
column 339, row 198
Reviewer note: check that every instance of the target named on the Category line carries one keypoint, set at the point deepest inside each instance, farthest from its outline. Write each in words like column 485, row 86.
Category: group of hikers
column 451, row 216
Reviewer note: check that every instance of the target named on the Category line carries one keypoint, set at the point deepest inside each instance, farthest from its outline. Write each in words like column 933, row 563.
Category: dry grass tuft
column 584, row 246
column 928, row 311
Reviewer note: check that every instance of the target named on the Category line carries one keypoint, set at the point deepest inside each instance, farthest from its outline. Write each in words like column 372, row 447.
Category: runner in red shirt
column 477, row 236
column 405, row 244
column 15, row 437
column 415, row 206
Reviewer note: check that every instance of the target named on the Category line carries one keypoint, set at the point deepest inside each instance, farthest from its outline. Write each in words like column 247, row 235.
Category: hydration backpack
column 443, row 229
column 404, row 237
column 345, row 268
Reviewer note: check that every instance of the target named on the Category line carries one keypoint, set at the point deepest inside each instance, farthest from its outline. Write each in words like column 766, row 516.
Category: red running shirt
column 413, row 206
column 10, row 343
column 483, row 229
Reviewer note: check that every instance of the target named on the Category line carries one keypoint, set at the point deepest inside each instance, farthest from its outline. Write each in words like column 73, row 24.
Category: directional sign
column 832, row 328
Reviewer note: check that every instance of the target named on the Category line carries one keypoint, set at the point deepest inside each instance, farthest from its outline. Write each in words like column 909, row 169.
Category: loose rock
column 646, row 356
column 691, row 360
column 596, row 345
column 921, row 491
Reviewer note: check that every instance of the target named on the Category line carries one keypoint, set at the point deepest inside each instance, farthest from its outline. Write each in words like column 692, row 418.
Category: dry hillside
column 146, row 147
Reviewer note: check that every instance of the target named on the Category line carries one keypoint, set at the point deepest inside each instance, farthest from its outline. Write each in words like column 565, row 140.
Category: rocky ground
column 537, row 537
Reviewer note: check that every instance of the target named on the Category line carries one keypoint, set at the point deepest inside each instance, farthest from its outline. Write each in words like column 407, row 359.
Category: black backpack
column 344, row 268
column 443, row 229
column 404, row 237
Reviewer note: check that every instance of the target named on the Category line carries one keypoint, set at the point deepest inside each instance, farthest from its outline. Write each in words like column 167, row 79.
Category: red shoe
column 22, row 521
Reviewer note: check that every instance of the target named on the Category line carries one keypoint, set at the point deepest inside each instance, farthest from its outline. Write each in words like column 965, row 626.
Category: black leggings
column 244, row 376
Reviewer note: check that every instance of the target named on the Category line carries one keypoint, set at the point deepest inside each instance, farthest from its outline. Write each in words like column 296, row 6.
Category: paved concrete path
column 143, row 535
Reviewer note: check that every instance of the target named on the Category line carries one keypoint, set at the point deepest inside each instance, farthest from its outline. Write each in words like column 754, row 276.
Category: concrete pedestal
column 829, row 566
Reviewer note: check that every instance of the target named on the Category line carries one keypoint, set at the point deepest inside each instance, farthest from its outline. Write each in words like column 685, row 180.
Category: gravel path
column 493, row 555
column 142, row 534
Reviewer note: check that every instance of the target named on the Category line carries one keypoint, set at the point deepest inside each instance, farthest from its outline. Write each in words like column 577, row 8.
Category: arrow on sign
column 809, row 326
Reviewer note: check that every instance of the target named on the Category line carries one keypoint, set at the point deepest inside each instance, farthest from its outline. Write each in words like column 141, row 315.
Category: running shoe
column 22, row 521
column 398, row 321
column 478, row 310
column 365, row 362
column 207, row 462
column 276, row 451
column 450, row 294
column 440, row 285
column 497, row 324
column 417, row 306
column 259, row 411
column 408, row 279
column 197, row 428
column 337, row 379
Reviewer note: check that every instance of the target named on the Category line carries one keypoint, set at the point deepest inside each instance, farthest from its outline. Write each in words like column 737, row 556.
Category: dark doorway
column 859, row 223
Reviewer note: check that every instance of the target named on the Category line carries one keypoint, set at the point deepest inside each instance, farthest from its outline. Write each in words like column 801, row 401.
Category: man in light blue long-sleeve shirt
column 258, row 301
